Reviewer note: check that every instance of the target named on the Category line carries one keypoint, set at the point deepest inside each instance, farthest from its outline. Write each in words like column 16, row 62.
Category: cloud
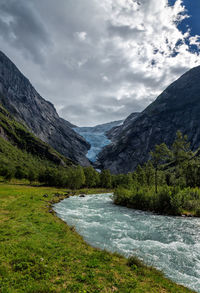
column 21, row 28
column 98, row 61
column 81, row 36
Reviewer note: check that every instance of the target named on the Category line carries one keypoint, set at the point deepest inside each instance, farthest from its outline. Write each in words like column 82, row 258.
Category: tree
column 105, row 179
column 181, row 153
column 180, row 148
column 32, row 176
column 9, row 172
column 160, row 156
column 191, row 174
column 149, row 173
column 90, row 177
column 141, row 179
column 129, row 180
column 76, row 177
column 20, row 172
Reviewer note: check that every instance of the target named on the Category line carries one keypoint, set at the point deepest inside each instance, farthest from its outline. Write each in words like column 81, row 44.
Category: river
column 171, row 244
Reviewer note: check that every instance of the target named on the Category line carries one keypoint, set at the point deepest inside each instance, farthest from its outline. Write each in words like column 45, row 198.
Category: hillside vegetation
column 18, row 135
column 169, row 183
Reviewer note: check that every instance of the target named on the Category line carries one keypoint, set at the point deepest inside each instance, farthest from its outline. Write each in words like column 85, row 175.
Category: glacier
column 96, row 137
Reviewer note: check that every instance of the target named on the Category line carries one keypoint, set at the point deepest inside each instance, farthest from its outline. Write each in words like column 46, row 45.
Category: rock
column 21, row 99
column 45, row 195
column 177, row 108
column 82, row 195
column 115, row 132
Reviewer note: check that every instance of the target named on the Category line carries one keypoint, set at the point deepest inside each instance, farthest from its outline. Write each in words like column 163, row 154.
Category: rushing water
column 171, row 244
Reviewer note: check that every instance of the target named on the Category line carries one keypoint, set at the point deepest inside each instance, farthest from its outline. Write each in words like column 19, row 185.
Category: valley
column 149, row 162
column 97, row 137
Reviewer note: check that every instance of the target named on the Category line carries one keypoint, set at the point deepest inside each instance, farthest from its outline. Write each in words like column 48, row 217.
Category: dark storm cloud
column 97, row 61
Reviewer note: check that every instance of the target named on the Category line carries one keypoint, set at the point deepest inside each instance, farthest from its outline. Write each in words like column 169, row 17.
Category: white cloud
column 81, row 36
column 100, row 60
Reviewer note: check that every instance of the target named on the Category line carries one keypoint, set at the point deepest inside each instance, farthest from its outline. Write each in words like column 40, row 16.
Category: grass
column 39, row 253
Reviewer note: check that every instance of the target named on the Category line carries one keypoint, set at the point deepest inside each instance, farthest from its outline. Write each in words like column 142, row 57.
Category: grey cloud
column 84, row 78
column 105, row 110
column 20, row 25
column 124, row 31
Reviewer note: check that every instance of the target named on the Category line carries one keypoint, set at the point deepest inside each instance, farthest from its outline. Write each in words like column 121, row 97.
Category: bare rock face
column 20, row 98
column 116, row 132
column 177, row 108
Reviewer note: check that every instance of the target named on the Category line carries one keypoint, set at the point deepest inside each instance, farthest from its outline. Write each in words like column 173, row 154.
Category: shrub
column 135, row 262
column 122, row 196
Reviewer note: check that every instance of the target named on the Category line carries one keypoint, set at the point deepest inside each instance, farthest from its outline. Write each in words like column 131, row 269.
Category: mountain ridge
column 176, row 108
column 21, row 99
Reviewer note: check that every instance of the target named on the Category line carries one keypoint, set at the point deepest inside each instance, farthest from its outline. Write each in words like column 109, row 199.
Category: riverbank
column 167, row 201
column 40, row 253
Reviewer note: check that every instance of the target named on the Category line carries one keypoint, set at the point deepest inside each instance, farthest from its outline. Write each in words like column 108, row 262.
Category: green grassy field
column 40, row 253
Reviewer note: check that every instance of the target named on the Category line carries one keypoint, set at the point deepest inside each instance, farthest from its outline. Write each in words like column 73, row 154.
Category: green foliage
column 135, row 262
column 23, row 156
column 168, row 200
column 149, row 173
column 105, row 179
column 180, row 148
column 140, row 175
column 176, row 175
column 92, row 178
column 76, row 178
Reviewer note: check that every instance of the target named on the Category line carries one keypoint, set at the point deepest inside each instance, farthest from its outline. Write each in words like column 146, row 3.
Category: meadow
column 39, row 253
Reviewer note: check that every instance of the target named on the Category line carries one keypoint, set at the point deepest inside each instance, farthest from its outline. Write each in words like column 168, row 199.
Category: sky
column 99, row 61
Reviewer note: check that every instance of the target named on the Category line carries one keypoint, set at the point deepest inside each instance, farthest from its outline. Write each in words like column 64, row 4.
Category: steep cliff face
column 20, row 98
column 177, row 108
column 116, row 132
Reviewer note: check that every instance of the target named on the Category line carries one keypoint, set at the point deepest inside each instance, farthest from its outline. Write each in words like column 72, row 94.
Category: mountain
column 97, row 137
column 20, row 98
column 16, row 141
column 116, row 132
column 177, row 108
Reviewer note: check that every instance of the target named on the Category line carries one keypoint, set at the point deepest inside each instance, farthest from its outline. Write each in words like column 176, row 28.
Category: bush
column 135, row 262
column 122, row 196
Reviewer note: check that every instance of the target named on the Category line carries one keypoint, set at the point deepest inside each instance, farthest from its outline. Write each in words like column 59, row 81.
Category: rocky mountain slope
column 177, row 108
column 97, row 137
column 14, row 136
column 114, row 133
column 20, row 98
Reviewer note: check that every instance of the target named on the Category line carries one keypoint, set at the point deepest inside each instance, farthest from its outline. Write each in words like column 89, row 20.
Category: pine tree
column 141, row 178
column 160, row 156
column 149, row 173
